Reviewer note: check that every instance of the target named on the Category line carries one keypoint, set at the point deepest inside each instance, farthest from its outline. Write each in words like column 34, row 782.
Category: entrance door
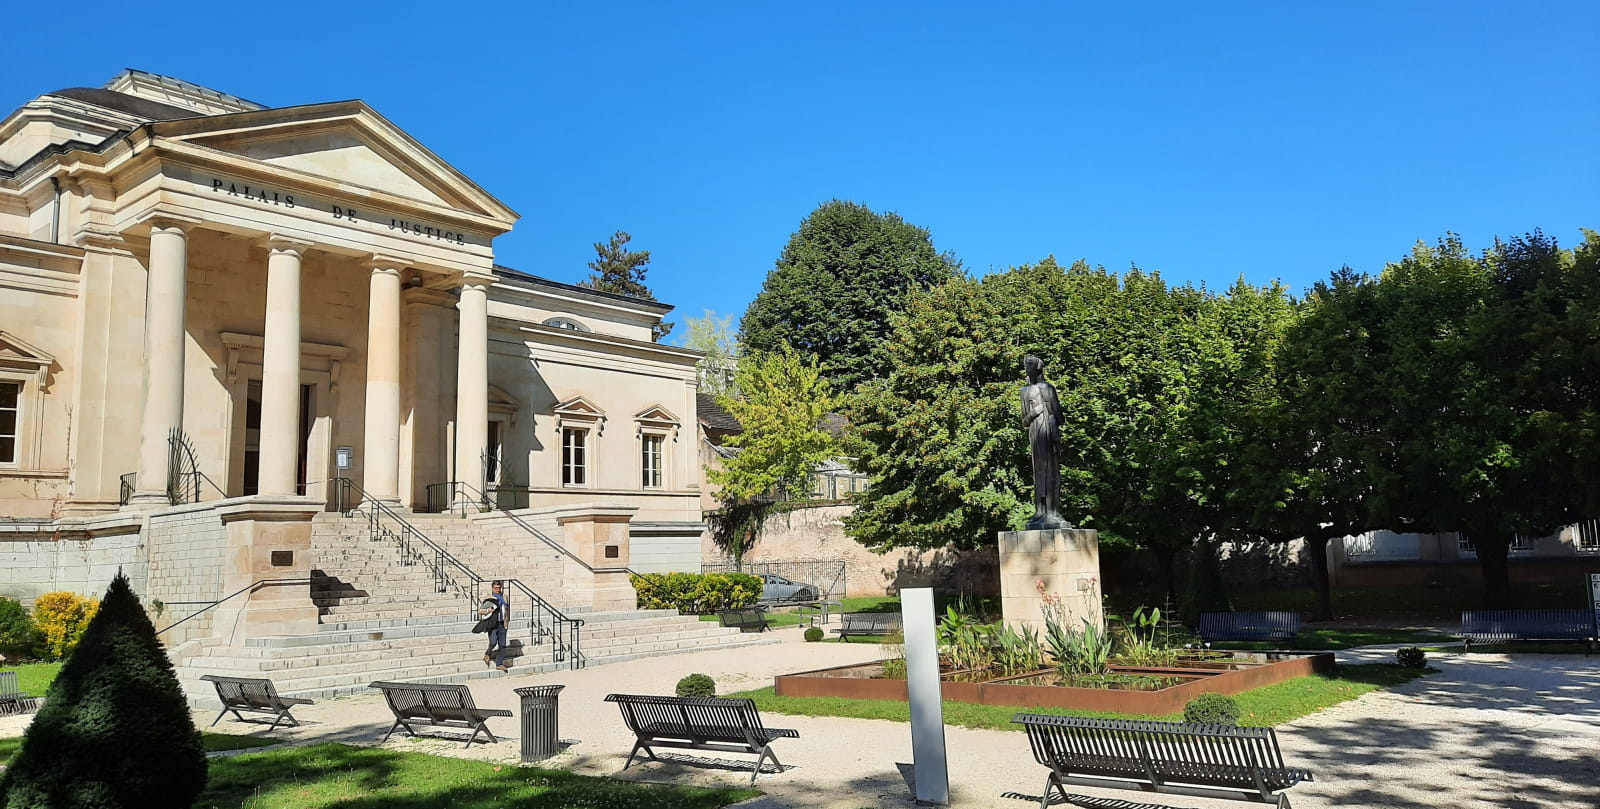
column 252, row 438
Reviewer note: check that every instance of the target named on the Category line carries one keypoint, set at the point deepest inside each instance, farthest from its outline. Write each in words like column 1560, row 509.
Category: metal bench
column 1274, row 626
column 747, row 620
column 1504, row 626
column 12, row 697
column 438, row 705
column 699, row 723
column 867, row 623
column 253, row 694
column 1209, row 761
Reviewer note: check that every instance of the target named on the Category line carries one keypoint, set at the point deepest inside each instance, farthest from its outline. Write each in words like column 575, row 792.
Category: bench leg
column 282, row 715
column 766, row 753
column 219, row 718
column 484, row 727
column 1283, row 801
column 635, row 751
column 398, row 724
column 1052, row 781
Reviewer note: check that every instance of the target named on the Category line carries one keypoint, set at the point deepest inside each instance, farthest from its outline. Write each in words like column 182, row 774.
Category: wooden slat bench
column 749, row 619
column 253, row 694
column 1504, row 626
column 699, row 723
column 867, row 623
column 447, row 706
column 1213, row 761
column 12, row 697
column 1280, row 625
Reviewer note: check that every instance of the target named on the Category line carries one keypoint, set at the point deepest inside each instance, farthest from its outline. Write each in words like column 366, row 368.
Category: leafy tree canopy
column 781, row 404
column 716, row 338
column 835, row 286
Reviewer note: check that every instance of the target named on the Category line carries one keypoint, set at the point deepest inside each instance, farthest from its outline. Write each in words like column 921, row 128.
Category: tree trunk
column 1317, row 549
column 1164, row 558
column 1492, row 552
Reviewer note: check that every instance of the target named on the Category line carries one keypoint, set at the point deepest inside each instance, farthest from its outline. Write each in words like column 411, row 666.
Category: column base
column 148, row 501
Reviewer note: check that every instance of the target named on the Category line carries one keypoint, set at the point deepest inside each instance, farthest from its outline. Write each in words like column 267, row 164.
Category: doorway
column 252, row 438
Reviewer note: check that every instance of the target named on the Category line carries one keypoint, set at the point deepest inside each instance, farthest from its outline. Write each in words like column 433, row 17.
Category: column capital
column 279, row 243
column 382, row 262
column 473, row 279
column 164, row 220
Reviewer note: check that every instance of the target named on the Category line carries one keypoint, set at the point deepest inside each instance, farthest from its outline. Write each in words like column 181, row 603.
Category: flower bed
column 1175, row 685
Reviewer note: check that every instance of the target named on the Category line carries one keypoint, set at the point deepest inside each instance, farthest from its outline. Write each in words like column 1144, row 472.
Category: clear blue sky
column 1204, row 140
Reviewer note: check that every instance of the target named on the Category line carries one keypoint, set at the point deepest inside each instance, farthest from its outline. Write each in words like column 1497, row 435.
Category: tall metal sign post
column 1594, row 600
column 928, row 762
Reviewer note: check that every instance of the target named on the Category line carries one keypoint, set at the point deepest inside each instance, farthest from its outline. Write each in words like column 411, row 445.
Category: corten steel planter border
column 999, row 692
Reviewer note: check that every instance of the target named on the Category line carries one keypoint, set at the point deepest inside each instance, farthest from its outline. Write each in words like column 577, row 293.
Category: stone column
column 280, row 368
column 164, row 341
column 472, row 384
column 381, row 467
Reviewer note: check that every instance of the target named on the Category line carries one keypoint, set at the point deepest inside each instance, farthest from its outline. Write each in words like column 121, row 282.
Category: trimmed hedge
column 114, row 731
column 1212, row 709
column 695, row 593
column 813, row 634
column 1411, row 657
column 697, row 685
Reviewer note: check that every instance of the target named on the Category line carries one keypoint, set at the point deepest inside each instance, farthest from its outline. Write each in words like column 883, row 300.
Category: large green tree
column 781, row 403
column 836, row 284
column 115, row 730
column 621, row 271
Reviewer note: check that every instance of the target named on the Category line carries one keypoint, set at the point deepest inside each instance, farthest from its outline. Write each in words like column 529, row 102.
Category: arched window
column 566, row 323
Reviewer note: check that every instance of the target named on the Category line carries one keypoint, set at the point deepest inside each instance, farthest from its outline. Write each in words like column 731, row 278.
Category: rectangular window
column 574, row 456
column 10, row 404
column 651, row 461
column 1521, row 543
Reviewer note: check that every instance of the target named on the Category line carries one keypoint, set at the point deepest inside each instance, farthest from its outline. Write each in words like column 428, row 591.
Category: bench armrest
column 296, row 701
column 782, row 733
column 487, row 712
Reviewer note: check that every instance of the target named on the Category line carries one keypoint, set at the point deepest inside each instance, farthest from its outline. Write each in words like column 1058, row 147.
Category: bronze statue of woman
column 1041, row 415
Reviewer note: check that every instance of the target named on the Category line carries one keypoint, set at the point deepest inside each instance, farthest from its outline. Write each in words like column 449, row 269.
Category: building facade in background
column 203, row 298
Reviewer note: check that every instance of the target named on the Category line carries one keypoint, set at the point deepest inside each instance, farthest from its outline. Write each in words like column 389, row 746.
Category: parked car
column 778, row 588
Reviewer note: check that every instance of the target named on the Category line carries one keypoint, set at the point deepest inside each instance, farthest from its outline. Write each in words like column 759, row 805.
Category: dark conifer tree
column 115, row 731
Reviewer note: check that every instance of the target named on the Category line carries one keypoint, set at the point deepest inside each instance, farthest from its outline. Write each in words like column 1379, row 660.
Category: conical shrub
column 114, row 731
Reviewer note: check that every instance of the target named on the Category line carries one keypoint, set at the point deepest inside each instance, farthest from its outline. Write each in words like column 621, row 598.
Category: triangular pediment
column 656, row 414
column 579, row 406
column 346, row 143
column 15, row 351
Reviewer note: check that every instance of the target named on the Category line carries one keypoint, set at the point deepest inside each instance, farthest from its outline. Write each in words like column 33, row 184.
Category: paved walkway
column 1487, row 732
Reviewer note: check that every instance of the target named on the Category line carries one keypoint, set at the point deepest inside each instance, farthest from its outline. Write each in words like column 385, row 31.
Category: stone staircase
column 383, row 619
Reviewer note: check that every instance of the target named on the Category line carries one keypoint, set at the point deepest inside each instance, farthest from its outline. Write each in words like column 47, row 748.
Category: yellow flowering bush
column 61, row 617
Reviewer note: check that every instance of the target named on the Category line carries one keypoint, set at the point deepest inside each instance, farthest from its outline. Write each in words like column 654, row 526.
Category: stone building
column 221, row 324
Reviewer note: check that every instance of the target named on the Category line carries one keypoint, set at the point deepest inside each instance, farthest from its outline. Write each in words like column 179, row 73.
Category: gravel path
column 1486, row 732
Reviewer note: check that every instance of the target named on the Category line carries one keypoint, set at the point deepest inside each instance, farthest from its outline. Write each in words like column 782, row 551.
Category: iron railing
column 128, row 487
column 184, row 477
column 470, row 494
column 452, row 575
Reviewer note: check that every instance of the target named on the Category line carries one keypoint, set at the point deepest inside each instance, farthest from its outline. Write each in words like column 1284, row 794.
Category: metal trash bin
column 540, row 722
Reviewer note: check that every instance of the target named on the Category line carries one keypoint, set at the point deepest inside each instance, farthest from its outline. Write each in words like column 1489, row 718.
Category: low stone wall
column 816, row 534
column 184, row 547
column 74, row 556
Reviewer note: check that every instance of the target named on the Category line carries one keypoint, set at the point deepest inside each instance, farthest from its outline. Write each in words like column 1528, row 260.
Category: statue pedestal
column 1062, row 562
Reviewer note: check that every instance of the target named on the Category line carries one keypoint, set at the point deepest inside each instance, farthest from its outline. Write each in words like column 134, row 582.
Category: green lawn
column 787, row 616
column 329, row 776
column 1272, row 705
column 34, row 678
column 213, row 742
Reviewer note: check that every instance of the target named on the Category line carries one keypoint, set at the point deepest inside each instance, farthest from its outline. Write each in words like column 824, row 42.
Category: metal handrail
column 252, row 586
column 526, row 526
column 447, row 568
